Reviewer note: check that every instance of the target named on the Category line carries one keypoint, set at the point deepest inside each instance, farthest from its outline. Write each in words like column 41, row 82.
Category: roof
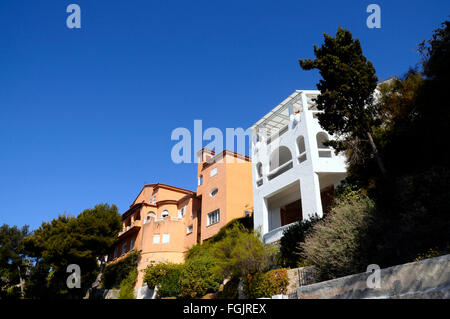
column 278, row 117
column 222, row 153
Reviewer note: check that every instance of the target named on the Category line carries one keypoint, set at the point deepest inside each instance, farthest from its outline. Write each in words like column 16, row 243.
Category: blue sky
column 86, row 115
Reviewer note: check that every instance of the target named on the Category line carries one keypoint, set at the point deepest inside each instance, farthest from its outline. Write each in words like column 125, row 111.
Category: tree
column 290, row 250
column 346, row 91
column 241, row 252
column 81, row 240
column 12, row 260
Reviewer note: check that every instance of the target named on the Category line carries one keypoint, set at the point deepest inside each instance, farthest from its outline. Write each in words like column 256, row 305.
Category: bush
column 164, row 276
column 115, row 273
column 198, row 277
column 334, row 246
column 127, row 286
column 265, row 285
column 290, row 250
column 243, row 223
column 242, row 252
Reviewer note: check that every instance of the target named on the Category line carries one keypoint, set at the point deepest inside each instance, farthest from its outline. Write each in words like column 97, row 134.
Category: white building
column 294, row 174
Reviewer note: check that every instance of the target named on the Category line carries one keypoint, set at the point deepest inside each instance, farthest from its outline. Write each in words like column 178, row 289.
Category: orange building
column 165, row 221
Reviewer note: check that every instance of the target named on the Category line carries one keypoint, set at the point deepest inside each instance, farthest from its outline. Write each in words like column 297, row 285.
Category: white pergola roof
column 279, row 117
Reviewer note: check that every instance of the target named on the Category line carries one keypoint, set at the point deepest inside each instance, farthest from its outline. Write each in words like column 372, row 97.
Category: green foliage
column 12, row 259
column 243, row 222
column 264, row 285
column 197, row 276
column 347, row 87
column 290, row 250
column 74, row 240
column 166, row 277
column 127, row 286
column 242, row 252
column 115, row 273
column 336, row 244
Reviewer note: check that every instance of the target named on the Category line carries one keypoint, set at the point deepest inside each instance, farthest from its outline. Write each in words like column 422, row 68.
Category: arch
column 280, row 156
column 150, row 215
column 259, row 169
column 165, row 213
column 301, row 145
column 322, row 137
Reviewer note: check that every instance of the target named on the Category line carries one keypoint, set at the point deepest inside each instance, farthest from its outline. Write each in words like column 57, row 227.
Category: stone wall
column 429, row 278
column 299, row 277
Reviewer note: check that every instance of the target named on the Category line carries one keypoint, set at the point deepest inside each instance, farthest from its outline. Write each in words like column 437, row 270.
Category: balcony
column 275, row 234
column 130, row 229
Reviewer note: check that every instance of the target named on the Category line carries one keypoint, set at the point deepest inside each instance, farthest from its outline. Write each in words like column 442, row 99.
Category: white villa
column 294, row 174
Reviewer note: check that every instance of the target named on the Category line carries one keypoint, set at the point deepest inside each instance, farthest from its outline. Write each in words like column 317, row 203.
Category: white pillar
column 310, row 192
column 265, row 215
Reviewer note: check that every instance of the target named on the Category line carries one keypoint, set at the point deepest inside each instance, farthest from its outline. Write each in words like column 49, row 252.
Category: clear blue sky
column 86, row 115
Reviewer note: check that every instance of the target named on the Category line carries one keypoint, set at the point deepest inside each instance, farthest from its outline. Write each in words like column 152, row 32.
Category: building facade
column 164, row 221
column 294, row 173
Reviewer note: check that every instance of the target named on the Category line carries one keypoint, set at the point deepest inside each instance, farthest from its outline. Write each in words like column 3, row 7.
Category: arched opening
column 150, row 215
column 324, row 150
column 280, row 161
column 279, row 157
column 321, row 138
column 301, row 149
column 259, row 169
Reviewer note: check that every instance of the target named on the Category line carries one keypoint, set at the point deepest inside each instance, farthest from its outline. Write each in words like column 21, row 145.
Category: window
column 182, row 212
column 213, row 172
column 259, row 169
column 116, row 252
column 214, row 192
column 124, row 248
column 133, row 241
column 190, row 229
column 301, row 149
column 214, row 217
column 200, row 180
column 156, row 239
column 154, row 200
column 165, row 213
column 166, row 238
column 321, row 138
column 150, row 215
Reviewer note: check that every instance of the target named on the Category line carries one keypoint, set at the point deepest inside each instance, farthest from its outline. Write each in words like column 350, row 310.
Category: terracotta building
column 165, row 221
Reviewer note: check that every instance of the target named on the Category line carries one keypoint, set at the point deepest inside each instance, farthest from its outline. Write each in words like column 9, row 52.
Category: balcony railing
column 280, row 170
column 275, row 234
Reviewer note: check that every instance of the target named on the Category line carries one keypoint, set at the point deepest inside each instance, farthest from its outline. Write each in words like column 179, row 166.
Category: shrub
column 290, row 250
column 264, row 285
column 242, row 252
column 243, row 223
column 127, row 286
column 164, row 276
column 334, row 244
column 198, row 277
column 115, row 273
